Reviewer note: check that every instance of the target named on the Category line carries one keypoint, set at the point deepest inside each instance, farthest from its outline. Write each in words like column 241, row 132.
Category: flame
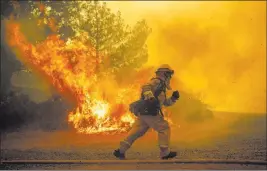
column 71, row 67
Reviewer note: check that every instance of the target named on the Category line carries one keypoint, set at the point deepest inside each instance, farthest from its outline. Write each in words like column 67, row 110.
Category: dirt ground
column 247, row 144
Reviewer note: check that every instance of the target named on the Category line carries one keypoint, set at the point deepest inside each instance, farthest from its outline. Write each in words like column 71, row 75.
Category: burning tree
column 84, row 47
column 95, row 24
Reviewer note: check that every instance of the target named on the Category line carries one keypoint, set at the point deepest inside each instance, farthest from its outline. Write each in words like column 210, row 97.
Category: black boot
column 172, row 154
column 118, row 154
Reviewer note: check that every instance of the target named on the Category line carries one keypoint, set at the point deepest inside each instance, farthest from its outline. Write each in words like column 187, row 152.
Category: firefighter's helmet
column 165, row 68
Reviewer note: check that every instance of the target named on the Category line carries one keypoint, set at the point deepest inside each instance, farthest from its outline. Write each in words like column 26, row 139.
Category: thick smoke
column 216, row 48
column 218, row 52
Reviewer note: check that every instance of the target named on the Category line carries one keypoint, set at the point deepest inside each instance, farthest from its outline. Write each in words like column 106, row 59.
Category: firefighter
column 152, row 94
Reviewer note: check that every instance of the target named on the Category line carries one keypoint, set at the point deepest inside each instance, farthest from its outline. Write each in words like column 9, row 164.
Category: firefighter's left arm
column 171, row 100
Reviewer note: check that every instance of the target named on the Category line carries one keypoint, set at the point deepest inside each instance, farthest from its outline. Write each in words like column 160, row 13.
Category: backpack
column 145, row 107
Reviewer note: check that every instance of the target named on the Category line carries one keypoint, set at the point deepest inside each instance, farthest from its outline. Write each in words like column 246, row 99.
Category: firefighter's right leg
column 159, row 124
column 138, row 129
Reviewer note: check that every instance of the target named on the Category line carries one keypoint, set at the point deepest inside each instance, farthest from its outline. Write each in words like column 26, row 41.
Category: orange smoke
column 71, row 67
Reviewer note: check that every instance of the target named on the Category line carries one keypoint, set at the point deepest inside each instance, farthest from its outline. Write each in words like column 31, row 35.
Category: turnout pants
column 141, row 126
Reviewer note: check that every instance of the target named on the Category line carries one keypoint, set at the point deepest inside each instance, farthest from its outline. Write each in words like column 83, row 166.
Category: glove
column 175, row 95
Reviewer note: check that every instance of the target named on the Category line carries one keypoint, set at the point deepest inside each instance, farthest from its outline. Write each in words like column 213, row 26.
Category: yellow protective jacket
column 149, row 89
